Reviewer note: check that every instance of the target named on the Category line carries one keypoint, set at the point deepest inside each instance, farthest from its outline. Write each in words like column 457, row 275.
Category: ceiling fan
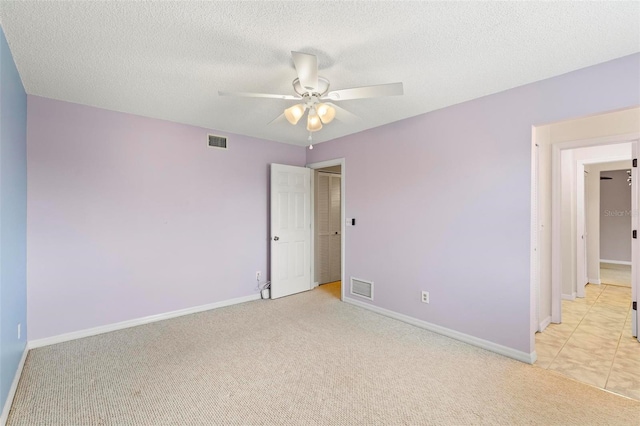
column 313, row 93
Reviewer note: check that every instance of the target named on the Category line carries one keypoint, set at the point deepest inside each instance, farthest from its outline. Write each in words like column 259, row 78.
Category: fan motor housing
column 323, row 87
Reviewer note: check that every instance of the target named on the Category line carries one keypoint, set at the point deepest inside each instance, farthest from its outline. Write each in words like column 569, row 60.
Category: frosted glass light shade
column 294, row 113
column 313, row 121
column 326, row 113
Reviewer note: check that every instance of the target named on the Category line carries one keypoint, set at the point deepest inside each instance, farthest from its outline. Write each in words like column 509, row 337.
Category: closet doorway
column 328, row 227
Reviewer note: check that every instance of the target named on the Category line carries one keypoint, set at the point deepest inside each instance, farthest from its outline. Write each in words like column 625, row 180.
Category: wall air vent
column 362, row 288
column 217, row 141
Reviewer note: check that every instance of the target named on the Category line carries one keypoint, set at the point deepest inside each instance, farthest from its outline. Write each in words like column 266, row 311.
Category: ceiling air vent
column 218, row 141
column 362, row 288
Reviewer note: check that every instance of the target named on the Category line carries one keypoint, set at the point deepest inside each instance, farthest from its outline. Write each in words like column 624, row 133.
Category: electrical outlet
column 19, row 330
column 425, row 297
column 258, row 275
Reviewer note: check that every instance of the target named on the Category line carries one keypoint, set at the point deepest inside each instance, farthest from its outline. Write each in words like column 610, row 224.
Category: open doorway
column 585, row 329
column 615, row 227
column 298, row 228
column 328, row 228
column 594, row 342
column 328, row 225
column 593, row 339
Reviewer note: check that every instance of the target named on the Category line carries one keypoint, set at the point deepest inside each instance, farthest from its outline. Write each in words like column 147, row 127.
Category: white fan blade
column 391, row 89
column 344, row 115
column 257, row 95
column 279, row 119
column 307, row 68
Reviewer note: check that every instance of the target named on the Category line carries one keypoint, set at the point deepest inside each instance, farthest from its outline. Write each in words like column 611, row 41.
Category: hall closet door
column 329, row 222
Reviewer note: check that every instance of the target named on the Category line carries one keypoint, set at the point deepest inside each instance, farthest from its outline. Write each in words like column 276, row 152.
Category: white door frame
column 581, row 234
column 343, row 236
column 556, row 264
column 534, row 290
column 635, row 248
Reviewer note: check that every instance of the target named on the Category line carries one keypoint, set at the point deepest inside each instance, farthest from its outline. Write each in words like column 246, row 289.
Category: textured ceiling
column 168, row 60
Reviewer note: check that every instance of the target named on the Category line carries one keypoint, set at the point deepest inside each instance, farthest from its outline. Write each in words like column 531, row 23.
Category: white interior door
column 290, row 230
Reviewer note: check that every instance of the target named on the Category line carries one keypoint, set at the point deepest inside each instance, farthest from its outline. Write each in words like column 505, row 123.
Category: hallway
column 594, row 344
column 614, row 274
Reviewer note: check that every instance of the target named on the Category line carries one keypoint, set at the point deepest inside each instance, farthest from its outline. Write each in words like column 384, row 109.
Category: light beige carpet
column 614, row 274
column 301, row 360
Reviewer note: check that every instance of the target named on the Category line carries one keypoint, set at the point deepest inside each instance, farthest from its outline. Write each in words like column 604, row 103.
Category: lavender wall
column 615, row 217
column 13, row 211
column 452, row 213
column 131, row 216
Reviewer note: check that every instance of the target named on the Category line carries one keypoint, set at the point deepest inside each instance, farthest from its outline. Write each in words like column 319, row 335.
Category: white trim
column 599, row 141
column 135, row 322
column 571, row 296
column 544, row 324
column 534, row 287
column 615, row 262
column 580, row 227
column 13, row 388
column 635, row 250
column 597, row 282
column 528, row 358
column 556, row 240
column 312, row 224
column 343, row 213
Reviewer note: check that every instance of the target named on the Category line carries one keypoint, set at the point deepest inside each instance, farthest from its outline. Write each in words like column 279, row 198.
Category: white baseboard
column 528, row 358
column 594, row 281
column 615, row 262
column 544, row 324
column 571, row 296
column 135, row 322
column 13, row 388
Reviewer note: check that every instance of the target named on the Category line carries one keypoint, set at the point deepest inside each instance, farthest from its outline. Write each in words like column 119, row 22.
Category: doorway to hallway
column 328, row 224
column 585, row 326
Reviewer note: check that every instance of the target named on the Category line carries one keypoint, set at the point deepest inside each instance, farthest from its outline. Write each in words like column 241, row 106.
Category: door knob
column 276, row 238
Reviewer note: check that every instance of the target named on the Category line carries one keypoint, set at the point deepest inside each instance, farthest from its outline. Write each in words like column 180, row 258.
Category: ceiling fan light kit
column 326, row 113
column 313, row 121
column 311, row 89
column 294, row 113
column 319, row 113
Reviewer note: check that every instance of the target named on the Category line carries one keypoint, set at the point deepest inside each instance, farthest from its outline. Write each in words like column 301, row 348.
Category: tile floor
column 615, row 274
column 594, row 343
